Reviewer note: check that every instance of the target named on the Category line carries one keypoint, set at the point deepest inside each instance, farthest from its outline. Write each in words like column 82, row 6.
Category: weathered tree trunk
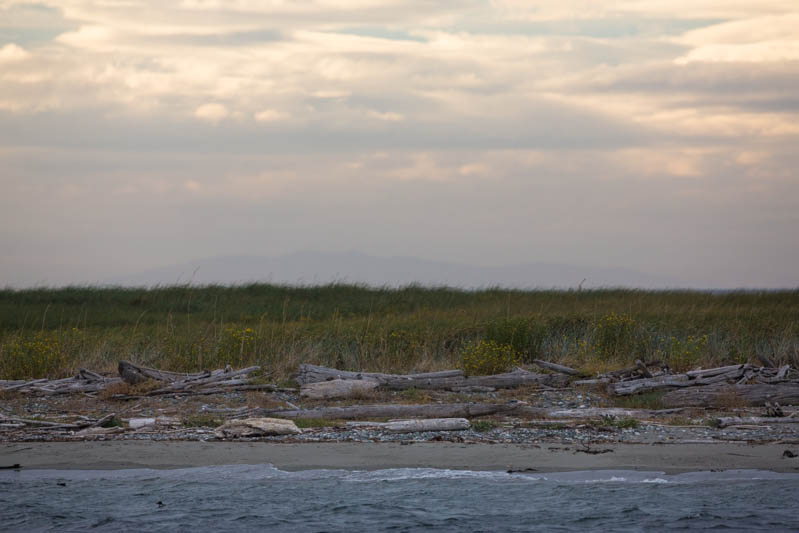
column 135, row 374
column 355, row 412
column 445, row 380
column 337, row 388
column 315, row 374
column 558, row 368
column 690, row 379
column 726, row 421
column 726, row 395
column 418, row 425
column 591, row 412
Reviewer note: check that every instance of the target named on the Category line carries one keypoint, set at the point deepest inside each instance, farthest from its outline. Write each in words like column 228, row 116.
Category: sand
column 544, row 457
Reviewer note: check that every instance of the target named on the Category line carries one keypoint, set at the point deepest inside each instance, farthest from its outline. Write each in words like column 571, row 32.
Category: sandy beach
column 669, row 458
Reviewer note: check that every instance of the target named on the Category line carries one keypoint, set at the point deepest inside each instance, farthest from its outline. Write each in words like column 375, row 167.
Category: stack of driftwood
column 85, row 381
column 744, row 384
column 320, row 382
column 206, row 382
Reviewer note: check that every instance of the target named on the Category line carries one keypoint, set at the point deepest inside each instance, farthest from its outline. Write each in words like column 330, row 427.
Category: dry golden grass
column 126, row 389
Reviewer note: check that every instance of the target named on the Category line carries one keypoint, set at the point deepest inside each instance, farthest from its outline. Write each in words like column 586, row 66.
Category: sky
column 659, row 136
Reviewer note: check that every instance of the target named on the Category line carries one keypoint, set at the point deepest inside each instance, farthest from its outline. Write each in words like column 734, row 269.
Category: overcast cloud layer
column 659, row 136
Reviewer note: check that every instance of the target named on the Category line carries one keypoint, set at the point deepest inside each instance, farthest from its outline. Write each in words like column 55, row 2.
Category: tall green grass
column 52, row 332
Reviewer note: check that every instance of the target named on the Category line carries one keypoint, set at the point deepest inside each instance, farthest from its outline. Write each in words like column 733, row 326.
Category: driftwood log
column 135, row 374
column 337, row 388
column 592, row 412
column 727, row 421
column 445, row 380
column 206, row 382
column 315, row 374
column 83, row 381
column 558, row 368
column 737, row 374
column 417, row 425
column 355, row 412
column 733, row 395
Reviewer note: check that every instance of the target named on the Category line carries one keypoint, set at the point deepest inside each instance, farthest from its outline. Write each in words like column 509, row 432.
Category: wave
column 269, row 472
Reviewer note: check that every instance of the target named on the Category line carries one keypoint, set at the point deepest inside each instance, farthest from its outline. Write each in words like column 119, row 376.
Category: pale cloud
column 388, row 116
column 12, row 53
column 212, row 112
column 481, row 107
column 271, row 115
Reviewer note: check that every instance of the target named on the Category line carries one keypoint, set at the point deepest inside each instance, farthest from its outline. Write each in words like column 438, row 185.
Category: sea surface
column 263, row 498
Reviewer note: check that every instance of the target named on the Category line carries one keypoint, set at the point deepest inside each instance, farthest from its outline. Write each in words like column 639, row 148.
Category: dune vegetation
column 52, row 332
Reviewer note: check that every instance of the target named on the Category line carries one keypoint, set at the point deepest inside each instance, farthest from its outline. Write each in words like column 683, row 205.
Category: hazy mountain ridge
column 313, row 268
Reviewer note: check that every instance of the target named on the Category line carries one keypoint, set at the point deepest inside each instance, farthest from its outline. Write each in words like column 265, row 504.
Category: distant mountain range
column 314, row 268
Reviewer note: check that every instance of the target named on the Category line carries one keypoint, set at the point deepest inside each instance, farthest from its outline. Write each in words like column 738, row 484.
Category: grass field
column 52, row 332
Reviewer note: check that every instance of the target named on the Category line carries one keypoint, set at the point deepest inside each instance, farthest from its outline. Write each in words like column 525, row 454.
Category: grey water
column 261, row 497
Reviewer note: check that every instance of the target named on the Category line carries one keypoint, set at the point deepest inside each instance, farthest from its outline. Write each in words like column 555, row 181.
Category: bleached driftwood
column 217, row 381
column 83, row 381
column 592, row 412
column 689, row 379
column 253, row 427
column 558, row 368
column 417, row 425
column 356, row 412
column 315, row 374
column 727, row 421
column 48, row 425
column 135, row 374
column 723, row 395
column 733, row 374
column 337, row 388
column 444, row 380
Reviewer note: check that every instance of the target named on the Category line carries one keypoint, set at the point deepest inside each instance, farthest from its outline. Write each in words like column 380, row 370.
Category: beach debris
column 84, row 381
column 337, row 388
column 256, row 427
column 138, row 423
column 640, row 370
column 417, row 425
column 13, row 422
column 773, row 410
column 738, row 374
column 362, row 412
column 724, row 395
column 443, row 380
column 99, row 431
column 558, row 368
column 727, row 421
column 592, row 412
column 207, row 382
column 787, row 453
column 592, row 451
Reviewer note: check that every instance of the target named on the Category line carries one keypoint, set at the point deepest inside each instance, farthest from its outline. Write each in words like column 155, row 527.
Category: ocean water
column 263, row 498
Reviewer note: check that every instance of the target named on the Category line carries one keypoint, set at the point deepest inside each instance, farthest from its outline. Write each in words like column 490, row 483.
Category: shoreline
column 672, row 458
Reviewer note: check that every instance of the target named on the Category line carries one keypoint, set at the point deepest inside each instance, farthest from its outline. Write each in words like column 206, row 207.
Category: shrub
column 30, row 357
column 488, row 357
column 525, row 335
column 614, row 336
column 685, row 354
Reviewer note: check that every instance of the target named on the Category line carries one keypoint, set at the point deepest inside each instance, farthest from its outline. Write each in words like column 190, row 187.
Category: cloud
column 12, row 53
column 211, row 112
column 574, row 129
column 271, row 115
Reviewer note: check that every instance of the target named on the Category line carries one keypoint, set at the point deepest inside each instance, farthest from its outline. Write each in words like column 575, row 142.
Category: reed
column 51, row 332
